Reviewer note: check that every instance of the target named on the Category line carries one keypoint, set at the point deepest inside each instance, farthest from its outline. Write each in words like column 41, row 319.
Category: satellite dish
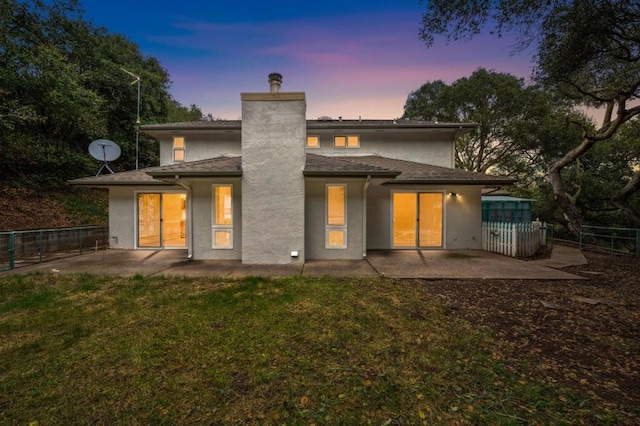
column 104, row 150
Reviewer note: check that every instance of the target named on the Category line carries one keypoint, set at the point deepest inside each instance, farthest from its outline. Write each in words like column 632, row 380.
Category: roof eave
column 195, row 174
column 129, row 183
column 314, row 173
column 449, row 182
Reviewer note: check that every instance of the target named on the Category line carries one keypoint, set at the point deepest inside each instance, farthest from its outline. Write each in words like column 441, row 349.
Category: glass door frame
column 136, row 221
column 417, row 193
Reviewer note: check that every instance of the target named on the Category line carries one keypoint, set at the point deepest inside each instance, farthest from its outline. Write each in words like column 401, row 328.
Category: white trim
column 215, row 227
column 328, row 227
column 444, row 218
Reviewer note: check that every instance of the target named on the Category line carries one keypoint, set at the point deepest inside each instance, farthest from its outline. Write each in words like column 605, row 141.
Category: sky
column 352, row 58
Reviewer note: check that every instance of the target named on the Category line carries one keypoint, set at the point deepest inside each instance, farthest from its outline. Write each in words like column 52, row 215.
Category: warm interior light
column 453, row 194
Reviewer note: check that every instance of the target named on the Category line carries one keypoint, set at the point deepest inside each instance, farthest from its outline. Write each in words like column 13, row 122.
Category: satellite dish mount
column 104, row 150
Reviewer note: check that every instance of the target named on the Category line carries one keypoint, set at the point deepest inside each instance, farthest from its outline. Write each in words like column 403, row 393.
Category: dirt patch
column 584, row 334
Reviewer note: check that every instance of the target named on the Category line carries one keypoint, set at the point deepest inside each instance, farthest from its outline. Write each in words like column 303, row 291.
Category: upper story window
column 348, row 141
column 179, row 153
column 313, row 142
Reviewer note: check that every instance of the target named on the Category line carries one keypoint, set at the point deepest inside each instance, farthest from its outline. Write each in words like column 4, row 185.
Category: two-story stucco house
column 278, row 188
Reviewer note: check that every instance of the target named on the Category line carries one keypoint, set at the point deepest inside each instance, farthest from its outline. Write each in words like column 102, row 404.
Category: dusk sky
column 352, row 58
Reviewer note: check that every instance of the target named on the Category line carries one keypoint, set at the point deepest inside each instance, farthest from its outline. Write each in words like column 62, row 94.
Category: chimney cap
column 275, row 76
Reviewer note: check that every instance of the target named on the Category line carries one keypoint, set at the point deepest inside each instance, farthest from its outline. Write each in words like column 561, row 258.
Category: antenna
column 136, row 81
column 104, row 150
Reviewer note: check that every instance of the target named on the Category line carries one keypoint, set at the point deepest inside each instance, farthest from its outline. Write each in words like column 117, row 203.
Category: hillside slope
column 22, row 208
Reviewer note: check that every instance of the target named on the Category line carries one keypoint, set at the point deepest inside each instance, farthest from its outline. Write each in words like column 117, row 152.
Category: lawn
column 139, row 350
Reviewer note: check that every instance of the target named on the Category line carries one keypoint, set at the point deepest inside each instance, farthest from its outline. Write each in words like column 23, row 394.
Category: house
column 278, row 188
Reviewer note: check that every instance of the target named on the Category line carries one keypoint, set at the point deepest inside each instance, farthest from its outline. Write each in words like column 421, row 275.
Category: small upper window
column 350, row 141
column 313, row 142
column 178, row 149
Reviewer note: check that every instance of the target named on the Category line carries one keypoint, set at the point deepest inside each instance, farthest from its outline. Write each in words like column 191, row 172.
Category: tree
column 62, row 86
column 586, row 50
column 512, row 119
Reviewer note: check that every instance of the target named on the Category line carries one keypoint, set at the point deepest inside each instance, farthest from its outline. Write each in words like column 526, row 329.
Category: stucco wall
column 273, row 159
column 202, row 204
column 463, row 215
column 122, row 213
column 435, row 149
column 315, row 219
column 201, row 146
column 121, row 217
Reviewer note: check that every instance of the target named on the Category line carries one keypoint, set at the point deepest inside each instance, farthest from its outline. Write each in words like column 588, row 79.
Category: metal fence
column 514, row 239
column 610, row 240
column 34, row 246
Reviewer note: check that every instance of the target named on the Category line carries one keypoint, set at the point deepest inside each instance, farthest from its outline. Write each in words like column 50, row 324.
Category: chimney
column 275, row 81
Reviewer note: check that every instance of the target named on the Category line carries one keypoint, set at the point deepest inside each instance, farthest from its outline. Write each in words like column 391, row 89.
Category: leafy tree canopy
column 586, row 50
column 63, row 84
column 514, row 121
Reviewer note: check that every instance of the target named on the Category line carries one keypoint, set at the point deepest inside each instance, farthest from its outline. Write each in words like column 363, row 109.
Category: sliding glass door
column 162, row 220
column 417, row 219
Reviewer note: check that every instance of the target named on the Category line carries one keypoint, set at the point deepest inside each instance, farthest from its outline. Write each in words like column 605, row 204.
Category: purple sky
column 352, row 58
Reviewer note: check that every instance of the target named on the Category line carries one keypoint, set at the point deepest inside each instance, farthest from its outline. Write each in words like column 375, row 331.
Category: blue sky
column 352, row 58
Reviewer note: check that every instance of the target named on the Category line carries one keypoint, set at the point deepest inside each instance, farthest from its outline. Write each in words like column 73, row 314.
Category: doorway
column 162, row 220
column 417, row 220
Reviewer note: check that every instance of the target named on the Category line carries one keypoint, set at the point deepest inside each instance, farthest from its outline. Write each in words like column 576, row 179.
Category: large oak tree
column 587, row 50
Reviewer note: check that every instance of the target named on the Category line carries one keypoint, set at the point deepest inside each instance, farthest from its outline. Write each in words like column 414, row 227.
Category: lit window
column 178, row 149
column 336, row 225
column 313, row 142
column 222, row 216
column 351, row 141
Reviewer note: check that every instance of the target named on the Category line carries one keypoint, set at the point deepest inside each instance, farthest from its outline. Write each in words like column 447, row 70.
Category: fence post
column 39, row 242
column 514, row 240
column 12, row 250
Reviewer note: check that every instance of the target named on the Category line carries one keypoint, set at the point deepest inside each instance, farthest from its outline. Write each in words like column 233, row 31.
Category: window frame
column 215, row 227
column 346, row 141
column 317, row 138
column 182, row 149
column 328, row 228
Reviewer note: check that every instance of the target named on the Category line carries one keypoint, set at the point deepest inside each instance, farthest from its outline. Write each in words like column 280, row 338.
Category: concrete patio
column 424, row 264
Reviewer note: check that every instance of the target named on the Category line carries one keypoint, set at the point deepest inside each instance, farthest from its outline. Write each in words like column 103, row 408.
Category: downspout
column 189, row 217
column 364, row 216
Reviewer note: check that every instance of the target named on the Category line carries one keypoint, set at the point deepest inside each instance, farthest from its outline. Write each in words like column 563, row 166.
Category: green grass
column 84, row 349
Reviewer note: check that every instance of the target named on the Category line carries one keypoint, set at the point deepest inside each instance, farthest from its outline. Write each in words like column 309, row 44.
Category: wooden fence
column 514, row 239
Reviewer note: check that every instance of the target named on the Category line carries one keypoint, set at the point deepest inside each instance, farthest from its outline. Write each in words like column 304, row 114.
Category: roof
column 132, row 177
column 397, row 171
column 411, row 172
column 321, row 165
column 219, row 166
column 504, row 198
column 316, row 124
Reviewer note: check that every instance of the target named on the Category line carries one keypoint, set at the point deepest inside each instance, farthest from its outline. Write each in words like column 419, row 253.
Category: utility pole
column 136, row 81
